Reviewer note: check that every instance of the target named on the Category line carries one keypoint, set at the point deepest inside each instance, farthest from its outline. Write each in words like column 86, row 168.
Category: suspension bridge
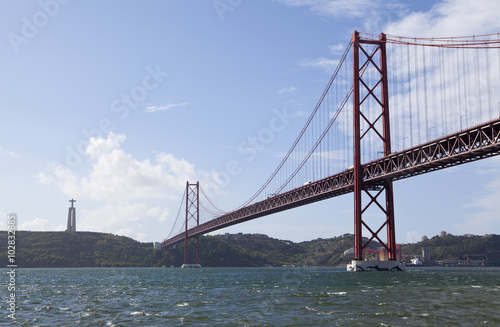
column 395, row 107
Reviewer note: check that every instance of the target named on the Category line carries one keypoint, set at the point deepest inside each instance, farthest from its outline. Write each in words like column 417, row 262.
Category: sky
column 118, row 103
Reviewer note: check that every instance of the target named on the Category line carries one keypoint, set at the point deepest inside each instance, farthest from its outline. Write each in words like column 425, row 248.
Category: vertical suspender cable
column 467, row 86
column 395, row 98
column 409, row 95
column 346, row 124
column 435, row 83
column 464, row 89
column 498, row 81
column 425, row 98
column 443, row 121
column 417, row 82
column 478, row 86
column 488, row 79
column 455, row 95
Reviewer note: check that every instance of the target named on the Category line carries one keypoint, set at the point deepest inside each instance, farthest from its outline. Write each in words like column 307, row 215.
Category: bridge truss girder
column 476, row 143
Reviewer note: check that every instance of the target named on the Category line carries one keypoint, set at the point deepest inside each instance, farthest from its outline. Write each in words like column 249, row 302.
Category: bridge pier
column 371, row 97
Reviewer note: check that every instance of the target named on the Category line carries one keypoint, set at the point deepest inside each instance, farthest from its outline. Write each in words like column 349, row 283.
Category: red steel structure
column 363, row 60
column 476, row 143
column 372, row 181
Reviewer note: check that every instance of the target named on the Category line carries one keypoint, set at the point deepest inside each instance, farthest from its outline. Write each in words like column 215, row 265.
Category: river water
column 255, row 297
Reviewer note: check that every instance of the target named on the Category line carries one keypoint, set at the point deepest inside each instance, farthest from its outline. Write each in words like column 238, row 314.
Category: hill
column 237, row 250
column 89, row 249
column 250, row 250
column 81, row 249
column 453, row 247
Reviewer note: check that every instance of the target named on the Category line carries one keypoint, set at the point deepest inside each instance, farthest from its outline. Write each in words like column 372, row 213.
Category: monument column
column 71, row 227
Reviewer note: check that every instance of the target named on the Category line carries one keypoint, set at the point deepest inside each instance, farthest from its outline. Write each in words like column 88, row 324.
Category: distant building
column 157, row 245
column 426, row 255
column 384, row 255
column 493, row 260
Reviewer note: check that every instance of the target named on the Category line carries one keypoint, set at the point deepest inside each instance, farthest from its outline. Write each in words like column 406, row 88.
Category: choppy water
column 256, row 297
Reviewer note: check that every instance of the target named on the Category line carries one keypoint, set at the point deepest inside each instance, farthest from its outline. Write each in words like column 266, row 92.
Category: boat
column 191, row 265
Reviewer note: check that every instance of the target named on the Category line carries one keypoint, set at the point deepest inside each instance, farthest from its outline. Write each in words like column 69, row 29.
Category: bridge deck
column 479, row 142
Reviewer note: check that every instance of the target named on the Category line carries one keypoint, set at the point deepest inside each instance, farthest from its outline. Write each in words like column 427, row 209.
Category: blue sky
column 118, row 103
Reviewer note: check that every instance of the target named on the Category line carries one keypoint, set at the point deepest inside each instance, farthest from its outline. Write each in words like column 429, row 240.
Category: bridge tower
column 192, row 213
column 371, row 109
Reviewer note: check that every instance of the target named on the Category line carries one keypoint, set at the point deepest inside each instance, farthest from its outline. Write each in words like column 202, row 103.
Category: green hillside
column 452, row 247
column 88, row 249
column 237, row 250
column 250, row 250
column 82, row 249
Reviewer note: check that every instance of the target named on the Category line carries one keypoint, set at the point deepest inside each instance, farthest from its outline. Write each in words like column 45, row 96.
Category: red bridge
column 441, row 95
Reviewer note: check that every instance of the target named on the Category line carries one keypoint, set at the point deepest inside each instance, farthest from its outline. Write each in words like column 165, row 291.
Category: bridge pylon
column 371, row 111
column 192, row 213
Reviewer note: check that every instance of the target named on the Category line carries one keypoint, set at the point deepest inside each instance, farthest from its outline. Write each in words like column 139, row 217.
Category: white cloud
column 287, row 90
column 37, row 224
column 446, row 18
column 168, row 106
column 3, row 221
column 450, row 18
column 326, row 64
column 413, row 237
column 158, row 212
column 337, row 49
column 117, row 176
column 100, row 146
column 141, row 237
column 132, row 220
column 113, row 216
column 62, row 178
column 485, row 216
column 120, row 191
column 344, row 8
column 373, row 13
column 8, row 153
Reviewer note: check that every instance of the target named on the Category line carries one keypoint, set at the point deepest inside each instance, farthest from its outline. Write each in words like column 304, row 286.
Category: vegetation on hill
column 239, row 250
column 329, row 251
column 87, row 249
column 453, row 247
column 81, row 249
